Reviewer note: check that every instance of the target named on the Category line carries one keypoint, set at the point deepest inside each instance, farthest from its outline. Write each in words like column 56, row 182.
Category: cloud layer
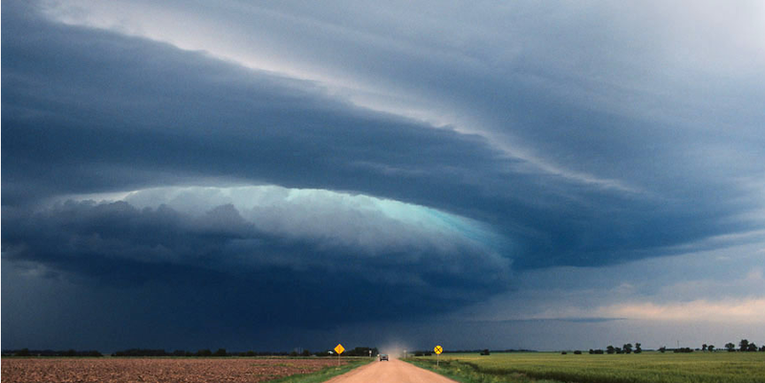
column 264, row 227
column 435, row 155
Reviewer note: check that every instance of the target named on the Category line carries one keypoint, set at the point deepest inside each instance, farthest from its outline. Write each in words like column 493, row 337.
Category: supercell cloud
column 211, row 171
column 264, row 227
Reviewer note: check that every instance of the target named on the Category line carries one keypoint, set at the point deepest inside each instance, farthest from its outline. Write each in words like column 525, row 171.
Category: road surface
column 394, row 371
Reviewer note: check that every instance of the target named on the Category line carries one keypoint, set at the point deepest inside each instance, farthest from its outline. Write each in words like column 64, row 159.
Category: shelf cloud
column 411, row 159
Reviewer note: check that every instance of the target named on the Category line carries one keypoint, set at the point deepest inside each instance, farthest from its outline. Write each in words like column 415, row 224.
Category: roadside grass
column 648, row 367
column 467, row 373
column 325, row 373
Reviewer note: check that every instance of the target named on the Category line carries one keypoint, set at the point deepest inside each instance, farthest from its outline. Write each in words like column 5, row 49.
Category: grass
column 648, row 367
column 325, row 373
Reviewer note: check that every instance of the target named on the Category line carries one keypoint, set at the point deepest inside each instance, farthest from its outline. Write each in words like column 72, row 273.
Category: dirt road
column 394, row 371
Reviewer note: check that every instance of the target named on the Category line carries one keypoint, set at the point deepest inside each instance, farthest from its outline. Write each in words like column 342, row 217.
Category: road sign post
column 438, row 350
column 339, row 350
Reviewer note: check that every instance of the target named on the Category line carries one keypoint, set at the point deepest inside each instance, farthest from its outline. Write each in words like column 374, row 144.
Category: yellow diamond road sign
column 339, row 349
column 438, row 350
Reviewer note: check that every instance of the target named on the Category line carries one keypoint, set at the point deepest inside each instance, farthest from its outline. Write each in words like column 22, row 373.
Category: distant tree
column 23, row 352
column 306, row 353
column 204, row 352
column 704, row 347
column 711, row 348
column 610, row 349
column 730, row 347
column 762, row 348
column 627, row 348
column 663, row 349
column 577, row 352
column 638, row 349
column 752, row 347
column 563, row 353
column 486, row 352
column 743, row 345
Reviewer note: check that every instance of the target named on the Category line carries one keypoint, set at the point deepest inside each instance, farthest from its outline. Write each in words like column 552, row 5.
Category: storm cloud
column 410, row 164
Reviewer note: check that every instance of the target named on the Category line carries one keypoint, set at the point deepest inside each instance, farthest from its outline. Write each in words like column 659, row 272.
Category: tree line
column 358, row 351
column 484, row 351
column 221, row 352
column 59, row 353
column 627, row 348
column 743, row 346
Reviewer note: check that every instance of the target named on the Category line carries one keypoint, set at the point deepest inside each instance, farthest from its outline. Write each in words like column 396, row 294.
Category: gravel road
column 394, row 371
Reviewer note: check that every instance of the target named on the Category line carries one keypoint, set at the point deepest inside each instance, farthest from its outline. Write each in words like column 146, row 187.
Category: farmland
column 649, row 367
column 162, row 370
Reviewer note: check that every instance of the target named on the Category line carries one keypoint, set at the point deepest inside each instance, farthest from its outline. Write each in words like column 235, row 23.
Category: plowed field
column 54, row 370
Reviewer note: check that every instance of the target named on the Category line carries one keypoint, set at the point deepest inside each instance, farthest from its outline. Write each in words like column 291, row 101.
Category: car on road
column 384, row 357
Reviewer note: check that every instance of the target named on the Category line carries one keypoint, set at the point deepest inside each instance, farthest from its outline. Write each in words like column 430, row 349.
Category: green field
column 648, row 367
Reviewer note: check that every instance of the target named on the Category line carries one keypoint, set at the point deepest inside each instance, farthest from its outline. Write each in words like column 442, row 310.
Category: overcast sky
column 266, row 176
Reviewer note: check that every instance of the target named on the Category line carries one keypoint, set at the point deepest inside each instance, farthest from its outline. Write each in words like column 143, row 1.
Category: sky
column 268, row 176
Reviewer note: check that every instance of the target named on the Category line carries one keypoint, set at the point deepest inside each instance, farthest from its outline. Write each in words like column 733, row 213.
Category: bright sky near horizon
column 542, row 175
